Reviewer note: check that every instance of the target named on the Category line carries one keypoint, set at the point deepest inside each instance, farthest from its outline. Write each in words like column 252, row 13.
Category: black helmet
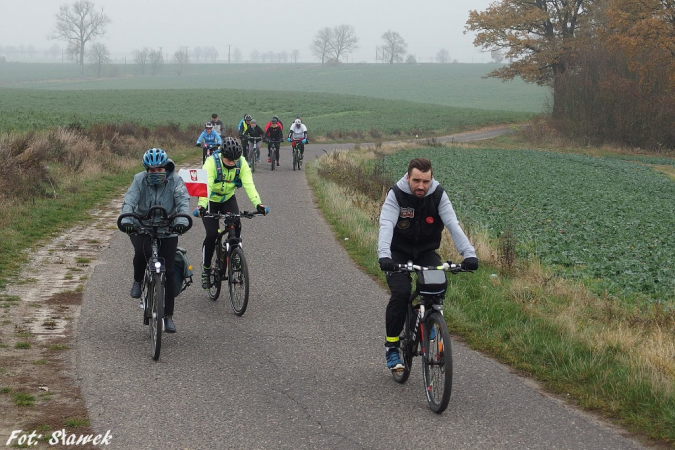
column 247, row 117
column 275, row 119
column 230, row 149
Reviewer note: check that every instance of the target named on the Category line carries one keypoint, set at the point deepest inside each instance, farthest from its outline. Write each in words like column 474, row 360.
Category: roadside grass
column 601, row 354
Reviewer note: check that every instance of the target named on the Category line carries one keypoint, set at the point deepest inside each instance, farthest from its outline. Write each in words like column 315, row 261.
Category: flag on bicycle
column 195, row 181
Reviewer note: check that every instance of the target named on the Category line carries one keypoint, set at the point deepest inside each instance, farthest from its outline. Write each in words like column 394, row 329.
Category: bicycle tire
column 156, row 314
column 251, row 158
column 238, row 281
column 437, row 363
column 218, row 268
column 273, row 157
column 295, row 159
column 299, row 160
column 406, row 350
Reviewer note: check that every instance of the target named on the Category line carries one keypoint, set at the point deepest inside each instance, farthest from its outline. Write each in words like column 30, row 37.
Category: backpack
column 182, row 270
column 219, row 172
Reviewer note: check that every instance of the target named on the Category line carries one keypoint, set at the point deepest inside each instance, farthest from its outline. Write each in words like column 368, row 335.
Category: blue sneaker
column 394, row 359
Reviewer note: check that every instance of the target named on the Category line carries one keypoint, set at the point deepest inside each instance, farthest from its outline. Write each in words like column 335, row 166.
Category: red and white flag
column 195, row 181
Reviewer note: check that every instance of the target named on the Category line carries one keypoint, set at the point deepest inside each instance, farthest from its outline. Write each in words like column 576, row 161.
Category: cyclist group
column 413, row 216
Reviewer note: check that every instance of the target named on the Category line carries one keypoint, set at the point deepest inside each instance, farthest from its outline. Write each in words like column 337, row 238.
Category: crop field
column 26, row 109
column 605, row 221
column 456, row 85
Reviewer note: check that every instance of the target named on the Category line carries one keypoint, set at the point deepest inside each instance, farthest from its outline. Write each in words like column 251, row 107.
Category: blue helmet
column 155, row 157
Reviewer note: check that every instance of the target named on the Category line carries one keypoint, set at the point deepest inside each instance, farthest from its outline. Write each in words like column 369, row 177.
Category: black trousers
column 211, row 227
column 269, row 149
column 400, row 285
column 167, row 250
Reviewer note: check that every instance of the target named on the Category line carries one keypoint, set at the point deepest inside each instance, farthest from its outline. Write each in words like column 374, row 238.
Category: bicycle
column 253, row 150
column 426, row 334
column 273, row 152
column 154, row 281
column 208, row 150
column 297, row 156
column 229, row 262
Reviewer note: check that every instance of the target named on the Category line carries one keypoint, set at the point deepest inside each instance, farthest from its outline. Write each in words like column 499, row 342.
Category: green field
column 457, row 85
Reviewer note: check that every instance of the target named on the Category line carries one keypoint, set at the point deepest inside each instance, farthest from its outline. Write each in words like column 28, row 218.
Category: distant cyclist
column 243, row 126
column 254, row 130
column 298, row 132
column 412, row 219
column 226, row 170
column 157, row 185
column 218, row 124
column 208, row 137
column 273, row 135
column 276, row 120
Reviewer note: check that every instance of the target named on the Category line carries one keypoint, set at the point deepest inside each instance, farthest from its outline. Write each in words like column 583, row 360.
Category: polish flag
column 195, row 181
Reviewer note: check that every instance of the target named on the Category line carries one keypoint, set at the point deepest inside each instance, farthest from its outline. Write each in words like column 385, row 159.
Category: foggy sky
column 264, row 25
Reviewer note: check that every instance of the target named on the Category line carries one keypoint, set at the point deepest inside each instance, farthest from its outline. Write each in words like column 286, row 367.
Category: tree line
column 609, row 63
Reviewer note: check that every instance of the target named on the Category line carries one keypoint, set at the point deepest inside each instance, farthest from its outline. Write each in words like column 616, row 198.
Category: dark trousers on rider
column 211, row 227
column 167, row 250
column 271, row 145
column 400, row 285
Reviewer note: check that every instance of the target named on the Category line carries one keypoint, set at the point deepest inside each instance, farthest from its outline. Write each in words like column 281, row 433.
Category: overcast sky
column 264, row 25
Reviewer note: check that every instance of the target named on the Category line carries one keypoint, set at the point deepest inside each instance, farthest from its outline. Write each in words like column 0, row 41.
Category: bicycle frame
column 297, row 162
column 253, row 150
column 273, row 148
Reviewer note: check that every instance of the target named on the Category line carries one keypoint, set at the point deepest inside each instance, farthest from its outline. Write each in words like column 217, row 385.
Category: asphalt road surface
column 304, row 367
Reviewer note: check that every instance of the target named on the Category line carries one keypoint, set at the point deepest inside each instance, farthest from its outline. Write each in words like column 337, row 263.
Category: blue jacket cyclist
column 157, row 185
column 226, row 170
column 209, row 137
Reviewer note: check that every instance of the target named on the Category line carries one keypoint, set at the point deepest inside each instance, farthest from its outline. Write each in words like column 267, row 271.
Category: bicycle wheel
column 238, row 281
column 406, row 349
column 273, row 156
column 299, row 160
column 218, row 268
column 156, row 313
column 437, row 363
column 251, row 158
column 295, row 158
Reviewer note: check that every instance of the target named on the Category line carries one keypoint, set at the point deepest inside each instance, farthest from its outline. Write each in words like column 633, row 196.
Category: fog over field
column 265, row 26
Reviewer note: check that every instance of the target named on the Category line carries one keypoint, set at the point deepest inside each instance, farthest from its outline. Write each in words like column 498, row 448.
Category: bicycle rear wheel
column 156, row 313
column 238, row 281
column 218, row 268
column 437, row 362
column 406, row 350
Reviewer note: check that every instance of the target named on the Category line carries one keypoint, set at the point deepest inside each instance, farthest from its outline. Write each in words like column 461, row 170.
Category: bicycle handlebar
column 209, row 146
column 165, row 221
column 447, row 266
column 231, row 215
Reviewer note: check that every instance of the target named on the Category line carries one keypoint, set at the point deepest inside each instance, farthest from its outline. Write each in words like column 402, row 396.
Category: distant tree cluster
column 334, row 43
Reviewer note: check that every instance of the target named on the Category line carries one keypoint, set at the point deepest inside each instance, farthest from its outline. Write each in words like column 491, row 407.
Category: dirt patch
column 38, row 314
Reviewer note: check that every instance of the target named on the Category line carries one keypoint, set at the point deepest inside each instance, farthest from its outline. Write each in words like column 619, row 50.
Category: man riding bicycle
column 254, row 131
column 412, row 219
column 157, row 185
column 298, row 132
column 273, row 135
column 209, row 137
column 226, row 170
column 243, row 126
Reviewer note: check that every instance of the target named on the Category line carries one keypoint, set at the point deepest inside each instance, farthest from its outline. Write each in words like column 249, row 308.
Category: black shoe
column 206, row 278
column 169, row 327
column 136, row 290
column 277, row 163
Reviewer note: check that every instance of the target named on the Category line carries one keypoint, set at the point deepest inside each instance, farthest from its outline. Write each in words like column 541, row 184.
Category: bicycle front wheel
column 273, row 157
column 156, row 313
column 238, row 281
column 437, row 362
column 295, row 158
column 218, row 268
column 251, row 158
column 299, row 160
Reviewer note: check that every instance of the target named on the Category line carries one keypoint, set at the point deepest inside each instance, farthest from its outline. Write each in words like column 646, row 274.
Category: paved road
column 303, row 368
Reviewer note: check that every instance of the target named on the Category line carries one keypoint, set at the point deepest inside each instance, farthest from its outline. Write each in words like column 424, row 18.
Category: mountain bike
column 273, row 152
column 253, row 150
column 297, row 156
column 426, row 334
column 208, row 150
column 156, row 224
column 229, row 262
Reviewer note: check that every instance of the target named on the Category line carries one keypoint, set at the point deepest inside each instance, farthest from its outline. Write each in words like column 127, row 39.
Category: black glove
column 180, row 228
column 388, row 265
column 129, row 229
column 262, row 209
column 470, row 263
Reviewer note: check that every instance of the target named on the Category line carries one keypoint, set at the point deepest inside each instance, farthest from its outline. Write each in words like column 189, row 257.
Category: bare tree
column 210, row 53
column 255, row 56
column 322, row 44
column 294, row 55
column 197, row 53
column 77, row 24
column 141, row 58
column 411, row 59
column 283, row 57
column 443, row 56
column 156, row 60
column 394, row 47
column 497, row 55
column 236, row 55
column 98, row 55
column 180, row 59
column 344, row 41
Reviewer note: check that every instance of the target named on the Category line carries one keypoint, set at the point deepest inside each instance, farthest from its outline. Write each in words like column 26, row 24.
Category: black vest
column 419, row 226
